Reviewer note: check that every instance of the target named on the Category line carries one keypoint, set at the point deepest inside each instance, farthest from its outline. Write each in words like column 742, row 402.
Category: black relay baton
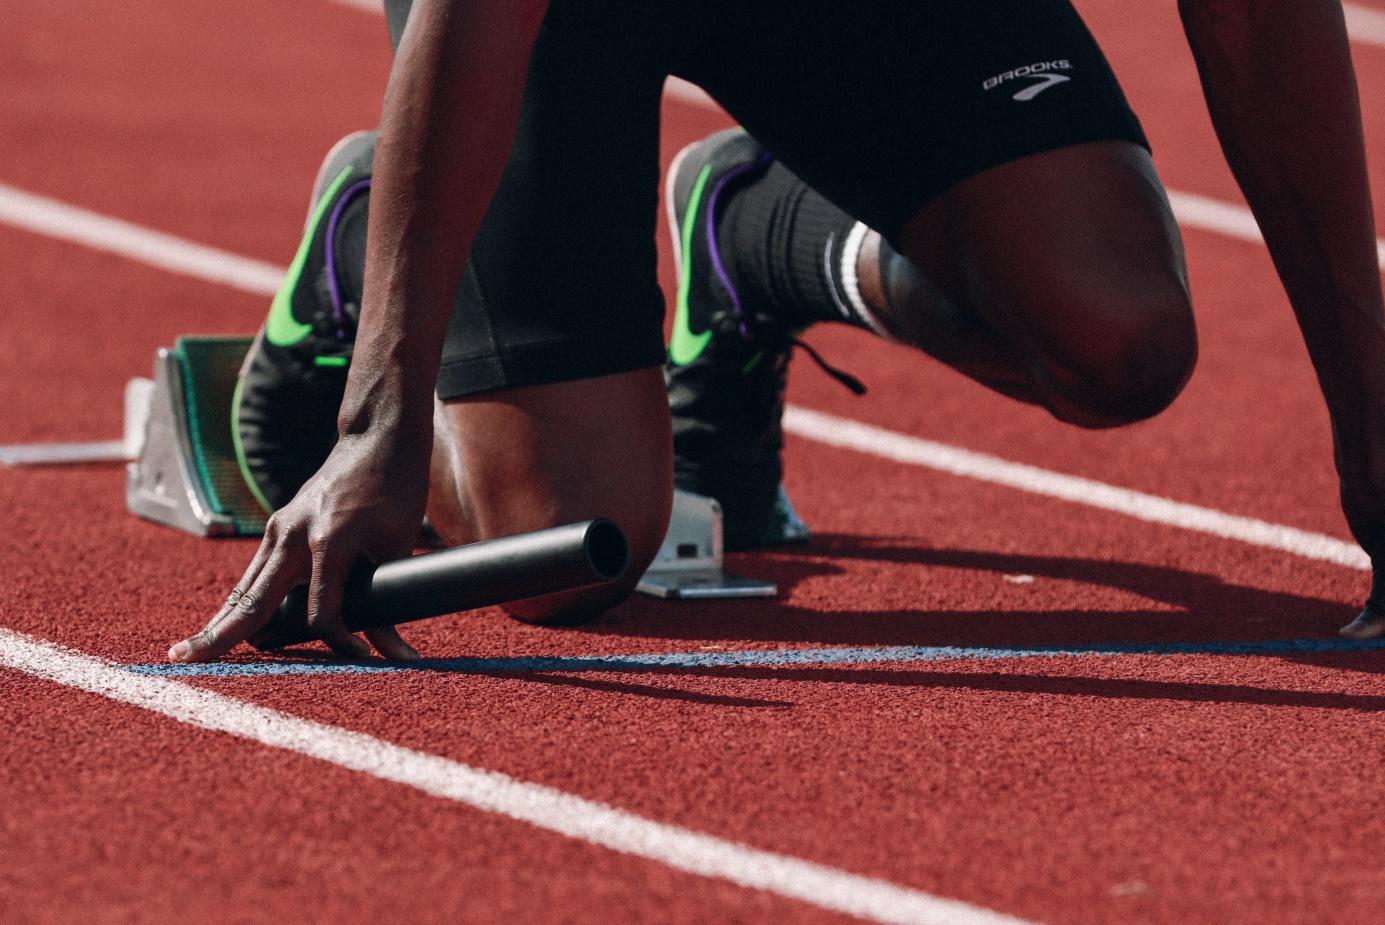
column 510, row 568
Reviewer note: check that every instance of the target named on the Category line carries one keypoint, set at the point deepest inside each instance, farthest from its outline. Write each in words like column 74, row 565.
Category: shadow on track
column 1182, row 607
column 1188, row 606
column 1059, row 685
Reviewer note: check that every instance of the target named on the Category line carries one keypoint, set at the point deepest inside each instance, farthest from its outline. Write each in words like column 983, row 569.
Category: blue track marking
column 754, row 658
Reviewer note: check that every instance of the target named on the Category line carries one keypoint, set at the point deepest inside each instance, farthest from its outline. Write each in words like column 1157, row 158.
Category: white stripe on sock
column 851, row 282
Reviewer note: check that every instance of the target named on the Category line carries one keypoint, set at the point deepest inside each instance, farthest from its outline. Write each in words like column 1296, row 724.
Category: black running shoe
column 727, row 362
column 284, row 413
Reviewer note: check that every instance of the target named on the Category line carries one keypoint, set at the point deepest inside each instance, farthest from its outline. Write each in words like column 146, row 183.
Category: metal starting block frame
column 185, row 474
column 689, row 564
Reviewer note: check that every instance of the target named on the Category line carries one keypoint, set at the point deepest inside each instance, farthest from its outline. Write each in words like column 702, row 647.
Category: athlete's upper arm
column 448, row 120
column 503, row 25
column 459, row 76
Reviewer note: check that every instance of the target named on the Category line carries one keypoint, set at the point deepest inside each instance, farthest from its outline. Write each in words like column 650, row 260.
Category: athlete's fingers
column 325, row 590
column 390, row 644
column 252, row 610
column 247, row 580
column 274, row 538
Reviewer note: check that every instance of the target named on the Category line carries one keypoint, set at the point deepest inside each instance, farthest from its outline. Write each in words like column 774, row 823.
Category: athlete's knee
column 574, row 607
column 541, row 456
column 457, row 517
column 644, row 533
column 454, row 516
column 1131, row 364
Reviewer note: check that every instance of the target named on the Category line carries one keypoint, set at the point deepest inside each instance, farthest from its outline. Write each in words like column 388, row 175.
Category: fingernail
column 179, row 653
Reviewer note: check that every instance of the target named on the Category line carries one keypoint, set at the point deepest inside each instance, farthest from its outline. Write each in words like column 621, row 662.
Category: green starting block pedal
column 185, row 474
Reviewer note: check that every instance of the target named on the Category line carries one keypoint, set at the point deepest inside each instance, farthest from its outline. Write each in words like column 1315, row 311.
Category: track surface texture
column 970, row 702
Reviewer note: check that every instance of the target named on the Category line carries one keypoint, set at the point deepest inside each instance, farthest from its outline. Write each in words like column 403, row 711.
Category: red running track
column 1144, row 788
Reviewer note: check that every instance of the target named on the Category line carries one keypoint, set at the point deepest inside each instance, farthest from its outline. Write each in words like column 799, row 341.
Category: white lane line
column 52, row 454
column 1206, row 214
column 851, row 434
column 493, row 792
column 1365, row 25
column 42, row 215
column 57, row 219
column 1225, row 218
column 864, row 438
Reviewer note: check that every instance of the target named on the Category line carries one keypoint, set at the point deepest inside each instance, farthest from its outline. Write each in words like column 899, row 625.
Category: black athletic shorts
column 880, row 105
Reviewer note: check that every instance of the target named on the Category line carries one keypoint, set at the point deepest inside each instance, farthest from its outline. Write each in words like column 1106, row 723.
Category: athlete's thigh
column 881, row 106
column 1074, row 253
column 561, row 283
column 990, row 143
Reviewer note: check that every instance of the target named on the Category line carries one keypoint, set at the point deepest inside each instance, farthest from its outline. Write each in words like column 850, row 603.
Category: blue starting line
column 753, row 658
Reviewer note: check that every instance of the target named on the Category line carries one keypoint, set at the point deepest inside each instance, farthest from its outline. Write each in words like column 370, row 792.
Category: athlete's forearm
column 1282, row 92
column 446, row 129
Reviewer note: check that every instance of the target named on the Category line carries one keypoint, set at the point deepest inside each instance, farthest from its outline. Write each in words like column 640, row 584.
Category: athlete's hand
column 365, row 504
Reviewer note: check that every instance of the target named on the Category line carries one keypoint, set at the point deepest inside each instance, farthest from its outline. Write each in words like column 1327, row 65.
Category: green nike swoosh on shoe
column 281, row 328
column 685, row 346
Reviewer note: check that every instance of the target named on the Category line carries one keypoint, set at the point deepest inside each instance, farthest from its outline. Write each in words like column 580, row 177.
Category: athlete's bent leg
column 538, row 456
column 1057, row 278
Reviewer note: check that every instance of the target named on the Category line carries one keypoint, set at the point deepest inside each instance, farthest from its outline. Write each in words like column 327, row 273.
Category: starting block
column 185, row 474
column 688, row 565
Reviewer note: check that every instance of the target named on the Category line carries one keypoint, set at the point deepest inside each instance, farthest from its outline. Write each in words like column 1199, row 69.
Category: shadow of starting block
column 185, row 473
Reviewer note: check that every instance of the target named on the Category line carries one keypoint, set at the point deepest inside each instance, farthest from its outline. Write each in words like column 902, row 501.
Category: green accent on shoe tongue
column 685, row 346
column 331, row 361
column 281, row 328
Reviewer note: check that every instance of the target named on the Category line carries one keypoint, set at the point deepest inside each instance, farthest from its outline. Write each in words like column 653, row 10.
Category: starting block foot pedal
column 689, row 564
column 185, row 473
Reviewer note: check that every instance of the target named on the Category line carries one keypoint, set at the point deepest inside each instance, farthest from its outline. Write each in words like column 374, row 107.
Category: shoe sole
column 675, row 229
column 670, row 209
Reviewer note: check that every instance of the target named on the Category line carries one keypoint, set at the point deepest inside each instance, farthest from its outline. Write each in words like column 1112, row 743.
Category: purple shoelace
column 338, row 307
column 741, row 321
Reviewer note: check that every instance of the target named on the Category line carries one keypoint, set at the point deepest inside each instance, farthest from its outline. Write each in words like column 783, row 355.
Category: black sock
column 784, row 243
